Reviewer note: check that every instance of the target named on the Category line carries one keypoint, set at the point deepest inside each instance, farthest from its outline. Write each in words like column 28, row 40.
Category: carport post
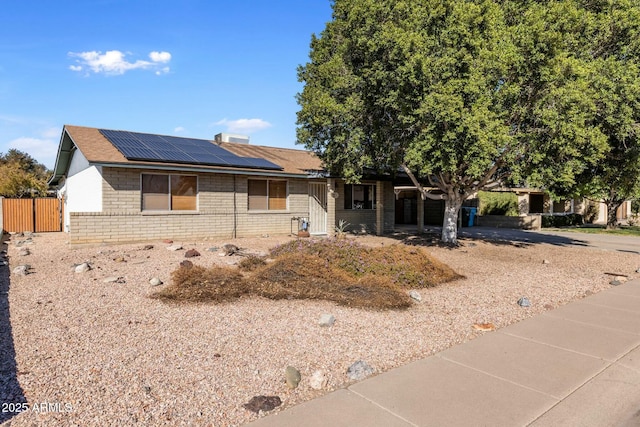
column 420, row 215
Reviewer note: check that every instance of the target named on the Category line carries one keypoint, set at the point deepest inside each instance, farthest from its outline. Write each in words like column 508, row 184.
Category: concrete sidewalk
column 578, row 365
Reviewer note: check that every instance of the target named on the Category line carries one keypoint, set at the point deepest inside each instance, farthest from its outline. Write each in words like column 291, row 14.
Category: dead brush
column 334, row 270
column 307, row 277
column 251, row 262
column 200, row 284
column 406, row 266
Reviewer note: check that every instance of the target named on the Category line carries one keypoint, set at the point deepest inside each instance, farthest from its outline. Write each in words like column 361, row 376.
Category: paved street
column 563, row 238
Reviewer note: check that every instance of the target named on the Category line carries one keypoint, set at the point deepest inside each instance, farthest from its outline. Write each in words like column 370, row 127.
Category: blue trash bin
column 472, row 216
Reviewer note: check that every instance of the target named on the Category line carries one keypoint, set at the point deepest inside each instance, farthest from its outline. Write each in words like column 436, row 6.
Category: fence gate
column 38, row 215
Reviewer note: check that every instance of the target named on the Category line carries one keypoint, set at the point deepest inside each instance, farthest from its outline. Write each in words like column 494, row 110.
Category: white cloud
column 163, row 57
column 44, row 149
column 114, row 62
column 244, row 125
column 179, row 129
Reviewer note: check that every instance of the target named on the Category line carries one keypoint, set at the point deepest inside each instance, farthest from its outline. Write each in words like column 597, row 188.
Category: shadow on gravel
column 496, row 236
column 11, row 394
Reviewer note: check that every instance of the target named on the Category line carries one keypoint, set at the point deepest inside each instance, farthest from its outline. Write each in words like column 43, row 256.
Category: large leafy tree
column 457, row 94
column 21, row 175
column 615, row 77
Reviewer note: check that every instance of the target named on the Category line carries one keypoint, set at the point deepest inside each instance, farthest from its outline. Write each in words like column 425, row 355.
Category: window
column 169, row 192
column 361, row 196
column 267, row 195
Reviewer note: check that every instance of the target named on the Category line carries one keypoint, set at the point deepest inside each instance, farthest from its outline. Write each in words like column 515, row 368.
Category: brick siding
column 122, row 220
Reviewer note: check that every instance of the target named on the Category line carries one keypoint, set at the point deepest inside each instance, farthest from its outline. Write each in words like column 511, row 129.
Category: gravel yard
column 90, row 352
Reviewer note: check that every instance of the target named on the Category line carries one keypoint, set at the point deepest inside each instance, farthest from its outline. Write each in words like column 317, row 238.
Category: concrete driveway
column 561, row 238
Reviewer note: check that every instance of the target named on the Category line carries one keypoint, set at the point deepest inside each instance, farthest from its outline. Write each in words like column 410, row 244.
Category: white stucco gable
column 83, row 187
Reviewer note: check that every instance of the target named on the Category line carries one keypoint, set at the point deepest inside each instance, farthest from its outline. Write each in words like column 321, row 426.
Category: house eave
column 173, row 167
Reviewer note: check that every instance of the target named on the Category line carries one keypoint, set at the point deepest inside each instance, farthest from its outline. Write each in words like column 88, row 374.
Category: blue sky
column 188, row 68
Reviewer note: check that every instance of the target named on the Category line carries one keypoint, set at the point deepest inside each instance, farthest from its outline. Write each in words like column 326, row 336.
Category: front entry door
column 318, row 208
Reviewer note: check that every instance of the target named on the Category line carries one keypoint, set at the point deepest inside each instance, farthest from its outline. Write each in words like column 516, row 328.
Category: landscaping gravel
column 92, row 351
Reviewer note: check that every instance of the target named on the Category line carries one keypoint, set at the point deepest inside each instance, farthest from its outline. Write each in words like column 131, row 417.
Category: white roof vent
column 231, row 137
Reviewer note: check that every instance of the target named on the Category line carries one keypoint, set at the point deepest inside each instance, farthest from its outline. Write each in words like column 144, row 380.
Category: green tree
column 615, row 77
column 459, row 95
column 21, row 175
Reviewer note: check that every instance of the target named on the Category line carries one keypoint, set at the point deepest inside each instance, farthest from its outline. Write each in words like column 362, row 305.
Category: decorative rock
column 638, row 270
column 114, row 279
column 174, row 247
column 359, row 371
column 292, row 376
column 147, row 247
column 24, row 252
column 213, row 249
column 167, row 241
column 82, row 268
column 186, row 264
column 620, row 278
column 155, row 282
column 524, row 302
column 22, row 270
column 616, row 282
column 263, row 403
column 327, row 320
column 230, row 249
column 415, row 295
column 119, row 259
column 191, row 253
column 546, row 261
column 318, row 380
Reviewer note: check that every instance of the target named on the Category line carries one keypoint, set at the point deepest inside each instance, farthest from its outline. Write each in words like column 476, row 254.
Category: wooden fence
column 38, row 215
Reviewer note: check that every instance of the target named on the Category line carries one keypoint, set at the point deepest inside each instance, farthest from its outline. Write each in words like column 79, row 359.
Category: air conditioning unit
column 230, row 137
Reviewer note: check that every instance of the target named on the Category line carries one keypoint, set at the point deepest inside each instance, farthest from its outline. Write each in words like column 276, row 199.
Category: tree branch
column 423, row 191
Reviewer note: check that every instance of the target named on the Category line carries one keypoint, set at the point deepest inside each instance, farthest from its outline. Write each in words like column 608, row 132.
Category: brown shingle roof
column 98, row 149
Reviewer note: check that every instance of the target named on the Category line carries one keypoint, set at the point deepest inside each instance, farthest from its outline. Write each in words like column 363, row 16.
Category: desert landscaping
column 92, row 344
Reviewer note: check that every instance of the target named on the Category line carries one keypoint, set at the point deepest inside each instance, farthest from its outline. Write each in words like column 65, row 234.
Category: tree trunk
column 612, row 217
column 452, row 204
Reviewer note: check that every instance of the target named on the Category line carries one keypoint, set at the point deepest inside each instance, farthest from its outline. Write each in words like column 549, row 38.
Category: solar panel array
column 173, row 149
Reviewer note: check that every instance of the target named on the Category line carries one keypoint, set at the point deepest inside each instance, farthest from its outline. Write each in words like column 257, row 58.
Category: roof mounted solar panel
column 140, row 153
column 173, row 149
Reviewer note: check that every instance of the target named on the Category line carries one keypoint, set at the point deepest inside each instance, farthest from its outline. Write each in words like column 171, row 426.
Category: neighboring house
column 531, row 203
column 127, row 186
column 534, row 201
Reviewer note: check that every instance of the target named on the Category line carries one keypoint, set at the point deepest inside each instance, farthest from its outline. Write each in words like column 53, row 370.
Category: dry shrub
column 304, row 276
column 199, row 284
column 339, row 270
column 407, row 266
column 251, row 262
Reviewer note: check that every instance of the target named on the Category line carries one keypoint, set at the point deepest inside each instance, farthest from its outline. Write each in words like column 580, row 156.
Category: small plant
column 341, row 228
column 633, row 220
